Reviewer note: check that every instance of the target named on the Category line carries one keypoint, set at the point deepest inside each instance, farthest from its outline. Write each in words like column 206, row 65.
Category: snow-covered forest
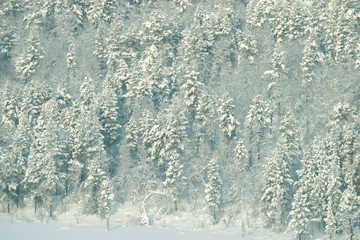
column 231, row 109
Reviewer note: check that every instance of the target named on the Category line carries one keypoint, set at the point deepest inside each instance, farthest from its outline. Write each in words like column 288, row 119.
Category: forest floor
column 173, row 227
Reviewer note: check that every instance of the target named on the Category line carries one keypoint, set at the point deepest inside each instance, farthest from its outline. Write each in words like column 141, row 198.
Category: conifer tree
column 7, row 36
column 276, row 200
column 257, row 126
column 87, row 94
column 290, row 140
column 12, row 174
column 192, row 92
column 108, row 114
column 101, row 49
column 228, row 123
column 71, row 61
column 174, row 179
column 10, row 106
column 90, row 156
column 154, row 75
column 333, row 190
column 132, row 134
column 305, row 199
column 36, row 163
column 27, row 63
column 213, row 190
column 246, row 44
column 241, row 154
column 349, row 211
column 312, row 56
column 276, row 78
column 107, row 193
column 100, row 10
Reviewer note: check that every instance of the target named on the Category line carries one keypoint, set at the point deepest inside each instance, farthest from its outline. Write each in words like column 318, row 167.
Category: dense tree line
column 243, row 107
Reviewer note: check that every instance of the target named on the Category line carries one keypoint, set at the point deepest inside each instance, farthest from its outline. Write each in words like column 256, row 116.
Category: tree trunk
column 51, row 210
column 107, row 220
column 351, row 229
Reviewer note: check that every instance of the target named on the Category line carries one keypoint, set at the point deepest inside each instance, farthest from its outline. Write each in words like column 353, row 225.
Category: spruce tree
column 349, row 212
column 109, row 114
column 276, row 200
column 213, row 190
column 107, row 193
column 26, row 64
column 10, row 106
column 305, row 199
column 192, row 92
column 228, row 123
column 174, row 179
column 7, row 36
column 257, row 126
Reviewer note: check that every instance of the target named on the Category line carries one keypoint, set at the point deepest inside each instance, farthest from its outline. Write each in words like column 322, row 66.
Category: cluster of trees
column 242, row 107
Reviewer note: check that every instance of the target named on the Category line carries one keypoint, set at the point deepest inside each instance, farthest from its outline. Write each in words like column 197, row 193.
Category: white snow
column 65, row 226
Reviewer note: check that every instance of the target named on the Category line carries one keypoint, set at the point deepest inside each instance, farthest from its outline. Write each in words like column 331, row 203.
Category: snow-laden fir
column 229, row 114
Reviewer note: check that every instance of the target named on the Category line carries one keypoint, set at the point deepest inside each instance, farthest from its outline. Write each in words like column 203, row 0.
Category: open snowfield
column 92, row 228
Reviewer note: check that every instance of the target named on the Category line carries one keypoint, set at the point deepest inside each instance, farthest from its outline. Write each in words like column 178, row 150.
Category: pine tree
column 333, row 190
column 205, row 120
column 192, row 92
column 300, row 216
column 7, row 36
column 35, row 95
column 193, row 48
column 290, row 140
column 87, row 94
column 276, row 78
column 132, row 134
column 312, row 56
column 213, row 190
column 101, row 49
column 100, row 10
column 27, row 63
column 241, row 154
column 340, row 31
column 322, row 179
column 53, row 184
column 36, row 163
column 10, row 106
column 306, row 199
column 69, row 17
column 71, row 63
column 77, row 146
column 175, row 133
column 257, row 126
column 228, row 123
column 90, row 157
column 287, row 20
column 63, row 99
column 258, row 12
column 36, row 12
column 174, row 179
column 107, row 193
column 153, row 138
column 182, row 5
column 276, row 200
column 154, row 75
column 349, row 210
column 246, row 44
column 109, row 114
column 43, row 177
column 12, row 174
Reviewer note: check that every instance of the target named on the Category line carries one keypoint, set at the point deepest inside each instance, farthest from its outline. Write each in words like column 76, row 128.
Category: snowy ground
column 92, row 228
